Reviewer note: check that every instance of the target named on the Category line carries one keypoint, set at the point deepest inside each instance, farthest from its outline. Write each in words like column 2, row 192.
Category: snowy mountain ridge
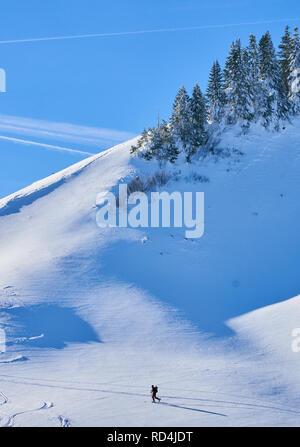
column 94, row 316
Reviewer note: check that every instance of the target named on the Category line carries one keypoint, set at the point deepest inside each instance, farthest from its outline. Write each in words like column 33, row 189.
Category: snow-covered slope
column 94, row 316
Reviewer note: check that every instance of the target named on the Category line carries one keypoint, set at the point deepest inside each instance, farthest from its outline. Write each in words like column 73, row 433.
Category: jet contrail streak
column 162, row 30
column 17, row 126
column 47, row 146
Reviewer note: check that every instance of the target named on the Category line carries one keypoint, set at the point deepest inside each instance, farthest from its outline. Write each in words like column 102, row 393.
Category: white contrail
column 161, row 30
column 47, row 146
column 60, row 131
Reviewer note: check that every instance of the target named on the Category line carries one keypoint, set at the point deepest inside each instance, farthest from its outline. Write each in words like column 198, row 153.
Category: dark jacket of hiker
column 154, row 392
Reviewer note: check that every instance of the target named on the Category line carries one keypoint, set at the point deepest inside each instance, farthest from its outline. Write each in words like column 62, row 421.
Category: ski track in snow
column 3, row 416
column 64, row 422
column 181, row 402
column 5, row 399
column 9, row 420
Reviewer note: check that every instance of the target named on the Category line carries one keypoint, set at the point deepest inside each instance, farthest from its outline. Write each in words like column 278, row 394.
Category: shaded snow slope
column 94, row 316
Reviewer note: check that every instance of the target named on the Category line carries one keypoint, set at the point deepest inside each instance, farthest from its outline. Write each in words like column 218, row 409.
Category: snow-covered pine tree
column 215, row 94
column 181, row 121
column 284, row 58
column 156, row 146
column 255, row 91
column 198, row 121
column 294, row 78
column 274, row 100
column 159, row 143
column 170, row 149
column 236, row 83
column 142, row 142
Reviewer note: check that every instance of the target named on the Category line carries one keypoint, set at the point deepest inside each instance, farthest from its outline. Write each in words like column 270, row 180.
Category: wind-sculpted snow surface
column 94, row 316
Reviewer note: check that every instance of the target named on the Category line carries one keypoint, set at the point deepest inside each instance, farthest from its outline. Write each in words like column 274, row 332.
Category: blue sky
column 118, row 83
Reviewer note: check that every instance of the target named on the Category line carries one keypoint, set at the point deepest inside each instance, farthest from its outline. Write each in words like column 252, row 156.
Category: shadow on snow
column 46, row 326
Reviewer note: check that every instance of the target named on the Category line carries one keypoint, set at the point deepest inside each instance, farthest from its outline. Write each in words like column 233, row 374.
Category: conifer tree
column 285, row 54
column 142, row 141
column 181, row 120
column 236, row 77
column 255, row 87
column 170, row 148
column 215, row 93
column 159, row 143
column 294, row 78
column 198, row 121
column 274, row 99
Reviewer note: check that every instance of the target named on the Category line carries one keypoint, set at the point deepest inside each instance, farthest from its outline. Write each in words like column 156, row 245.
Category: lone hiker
column 154, row 391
